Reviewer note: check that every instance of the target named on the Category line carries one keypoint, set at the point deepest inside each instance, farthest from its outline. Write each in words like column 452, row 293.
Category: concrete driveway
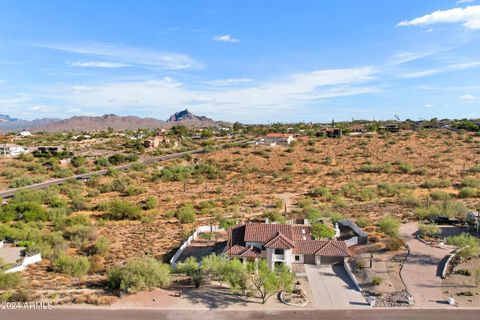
column 332, row 288
column 10, row 254
column 421, row 271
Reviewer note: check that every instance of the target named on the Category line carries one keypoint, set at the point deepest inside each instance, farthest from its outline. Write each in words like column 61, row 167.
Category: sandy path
column 420, row 271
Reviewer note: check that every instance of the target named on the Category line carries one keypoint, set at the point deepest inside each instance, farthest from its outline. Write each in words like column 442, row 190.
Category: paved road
column 150, row 314
column 420, row 272
column 332, row 288
column 46, row 184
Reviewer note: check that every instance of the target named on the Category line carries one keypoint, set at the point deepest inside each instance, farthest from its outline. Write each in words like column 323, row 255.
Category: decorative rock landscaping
column 393, row 299
column 297, row 298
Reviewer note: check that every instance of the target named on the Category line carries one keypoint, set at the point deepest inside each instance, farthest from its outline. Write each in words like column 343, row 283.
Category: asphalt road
column 150, row 314
column 42, row 185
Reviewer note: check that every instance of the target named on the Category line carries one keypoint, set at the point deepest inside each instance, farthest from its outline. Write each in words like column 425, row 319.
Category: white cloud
column 97, row 64
column 464, row 1
column 266, row 100
column 429, row 105
column 468, row 98
column 407, row 56
column 226, row 38
column 433, row 71
column 227, row 82
column 469, row 17
column 128, row 55
column 41, row 108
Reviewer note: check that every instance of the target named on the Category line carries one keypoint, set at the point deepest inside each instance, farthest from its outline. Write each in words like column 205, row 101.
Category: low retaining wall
column 449, row 260
column 346, row 264
column 351, row 242
column 201, row 229
column 26, row 261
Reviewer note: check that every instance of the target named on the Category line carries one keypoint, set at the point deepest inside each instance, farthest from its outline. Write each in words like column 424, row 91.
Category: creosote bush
column 71, row 265
column 390, row 226
column 139, row 274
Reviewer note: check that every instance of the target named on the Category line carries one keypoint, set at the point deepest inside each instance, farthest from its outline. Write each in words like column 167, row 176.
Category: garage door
column 309, row 259
column 331, row 260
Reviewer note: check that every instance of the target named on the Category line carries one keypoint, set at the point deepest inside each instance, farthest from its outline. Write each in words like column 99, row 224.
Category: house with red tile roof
column 283, row 243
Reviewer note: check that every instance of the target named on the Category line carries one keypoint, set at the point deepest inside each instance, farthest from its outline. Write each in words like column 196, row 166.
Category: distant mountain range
column 88, row 123
column 6, row 118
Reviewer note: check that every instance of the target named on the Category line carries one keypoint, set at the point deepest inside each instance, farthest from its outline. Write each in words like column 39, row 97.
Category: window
column 278, row 251
column 297, row 258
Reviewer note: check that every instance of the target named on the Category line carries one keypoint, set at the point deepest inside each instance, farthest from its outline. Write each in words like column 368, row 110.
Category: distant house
column 283, row 244
column 357, row 129
column 333, row 132
column 390, row 127
column 25, row 133
column 11, row 150
column 273, row 139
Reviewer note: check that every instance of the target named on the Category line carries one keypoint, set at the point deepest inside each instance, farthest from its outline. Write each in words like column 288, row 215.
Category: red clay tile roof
column 334, row 248
column 283, row 236
column 249, row 252
column 308, row 246
column 322, row 248
column 235, row 250
column 263, row 232
column 280, row 242
column 277, row 135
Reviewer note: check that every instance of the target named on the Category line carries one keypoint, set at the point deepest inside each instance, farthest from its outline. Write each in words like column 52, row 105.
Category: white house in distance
column 272, row 139
column 11, row 150
column 283, row 243
column 25, row 133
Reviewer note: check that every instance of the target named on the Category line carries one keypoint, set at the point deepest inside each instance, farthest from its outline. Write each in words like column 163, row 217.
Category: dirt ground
column 212, row 296
column 463, row 287
column 253, row 179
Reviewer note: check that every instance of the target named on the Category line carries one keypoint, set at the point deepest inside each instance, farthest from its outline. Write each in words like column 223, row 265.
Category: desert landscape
column 148, row 210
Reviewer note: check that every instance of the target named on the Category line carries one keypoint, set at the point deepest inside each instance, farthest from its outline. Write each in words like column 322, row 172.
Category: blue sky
column 252, row 61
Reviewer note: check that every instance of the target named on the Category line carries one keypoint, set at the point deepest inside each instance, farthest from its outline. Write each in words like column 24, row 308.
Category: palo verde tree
column 266, row 282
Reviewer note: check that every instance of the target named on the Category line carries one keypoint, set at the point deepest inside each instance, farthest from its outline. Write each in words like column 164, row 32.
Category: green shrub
column 468, row 242
column 405, row 168
column 21, row 182
column 362, row 222
column 430, row 230
column 71, row 265
column 376, row 281
column 121, row 210
column 186, row 214
column 150, row 203
column 468, row 192
column 390, row 226
column 474, row 169
column 440, row 195
column 471, row 182
column 139, row 274
column 436, row 183
column 102, row 245
column 10, row 280
column 394, row 244
column 274, row 216
column 312, row 214
column 336, row 217
column 322, row 231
